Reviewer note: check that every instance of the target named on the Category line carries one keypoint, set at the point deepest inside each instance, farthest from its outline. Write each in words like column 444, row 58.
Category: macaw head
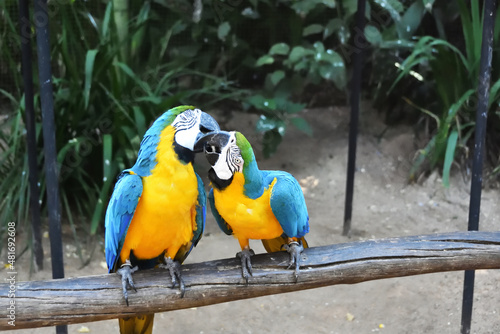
column 192, row 126
column 227, row 153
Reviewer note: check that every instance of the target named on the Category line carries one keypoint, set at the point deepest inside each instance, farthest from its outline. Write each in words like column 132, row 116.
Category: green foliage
column 14, row 186
column 405, row 20
column 446, row 73
column 303, row 66
column 390, row 32
column 116, row 82
column 114, row 71
column 297, row 61
column 273, row 120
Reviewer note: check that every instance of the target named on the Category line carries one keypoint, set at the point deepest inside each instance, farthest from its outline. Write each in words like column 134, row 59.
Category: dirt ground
column 385, row 205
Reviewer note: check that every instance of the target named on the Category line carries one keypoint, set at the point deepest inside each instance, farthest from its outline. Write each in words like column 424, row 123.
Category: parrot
column 249, row 203
column 156, row 213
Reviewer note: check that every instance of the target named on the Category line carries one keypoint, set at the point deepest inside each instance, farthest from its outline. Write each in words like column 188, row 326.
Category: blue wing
column 201, row 214
column 121, row 208
column 288, row 203
column 220, row 221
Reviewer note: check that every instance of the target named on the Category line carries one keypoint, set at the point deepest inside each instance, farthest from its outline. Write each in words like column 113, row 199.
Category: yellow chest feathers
column 248, row 218
column 165, row 215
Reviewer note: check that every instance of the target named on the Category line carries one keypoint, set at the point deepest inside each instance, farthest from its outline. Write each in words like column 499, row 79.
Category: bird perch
column 93, row 298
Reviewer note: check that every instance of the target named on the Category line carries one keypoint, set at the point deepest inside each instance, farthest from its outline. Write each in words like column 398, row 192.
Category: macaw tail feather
column 276, row 244
column 141, row 324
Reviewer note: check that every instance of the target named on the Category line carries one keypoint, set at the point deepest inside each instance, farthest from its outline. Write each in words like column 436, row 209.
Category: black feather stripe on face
column 230, row 160
column 233, row 155
column 186, row 120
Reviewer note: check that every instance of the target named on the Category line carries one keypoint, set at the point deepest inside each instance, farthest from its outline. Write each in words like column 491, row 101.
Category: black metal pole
column 477, row 159
column 27, row 69
column 354, row 101
column 41, row 21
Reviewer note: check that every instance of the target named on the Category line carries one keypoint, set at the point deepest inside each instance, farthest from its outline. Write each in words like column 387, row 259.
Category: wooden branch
column 92, row 298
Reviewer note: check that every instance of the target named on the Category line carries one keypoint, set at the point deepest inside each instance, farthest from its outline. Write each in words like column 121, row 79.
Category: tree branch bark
column 92, row 298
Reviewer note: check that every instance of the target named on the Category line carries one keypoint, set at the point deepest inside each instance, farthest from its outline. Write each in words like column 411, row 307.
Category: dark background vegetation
column 117, row 65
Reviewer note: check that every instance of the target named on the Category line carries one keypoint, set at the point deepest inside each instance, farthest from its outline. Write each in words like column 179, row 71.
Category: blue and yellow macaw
column 156, row 213
column 254, row 204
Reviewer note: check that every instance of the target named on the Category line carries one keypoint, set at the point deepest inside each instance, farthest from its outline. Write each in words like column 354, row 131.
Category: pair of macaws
column 156, row 214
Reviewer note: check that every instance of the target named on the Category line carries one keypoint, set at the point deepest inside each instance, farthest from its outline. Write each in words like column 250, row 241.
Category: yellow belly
column 248, row 218
column 165, row 217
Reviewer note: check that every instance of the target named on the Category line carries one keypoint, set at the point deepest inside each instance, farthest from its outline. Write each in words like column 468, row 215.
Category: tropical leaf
column 265, row 124
column 223, row 30
column 264, row 60
column 277, row 76
column 449, row 157
column 373, row 35
column 297, row 53
column 302, row 125
column 89, row 68
column 410, row 20
column 494, row 93
column 312, row 29
column 394, row 7
column 279, row 49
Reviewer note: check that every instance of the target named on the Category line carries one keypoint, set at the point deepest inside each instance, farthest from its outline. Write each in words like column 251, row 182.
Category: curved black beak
column 201, row 139
column 208, row 127
column 214, row 144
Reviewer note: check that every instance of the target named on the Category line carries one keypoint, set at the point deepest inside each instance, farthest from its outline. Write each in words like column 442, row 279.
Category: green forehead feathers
column 174, row 112
column 245, row 148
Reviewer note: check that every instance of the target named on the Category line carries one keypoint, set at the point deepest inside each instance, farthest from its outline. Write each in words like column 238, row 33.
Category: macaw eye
column 237, row 160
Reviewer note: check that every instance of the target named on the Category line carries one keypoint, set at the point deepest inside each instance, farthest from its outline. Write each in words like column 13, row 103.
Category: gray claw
column 246, row 263
column 126, row 272
column 294, row 248
column 174, row 268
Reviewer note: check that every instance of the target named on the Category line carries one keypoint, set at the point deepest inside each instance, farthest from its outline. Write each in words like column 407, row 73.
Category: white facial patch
column 187, row 125
column 230, row 160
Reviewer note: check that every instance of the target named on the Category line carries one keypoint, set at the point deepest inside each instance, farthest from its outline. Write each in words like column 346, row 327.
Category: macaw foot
column 174, row 268
column 246, row 264
column 294, row 248
column 126, row 272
